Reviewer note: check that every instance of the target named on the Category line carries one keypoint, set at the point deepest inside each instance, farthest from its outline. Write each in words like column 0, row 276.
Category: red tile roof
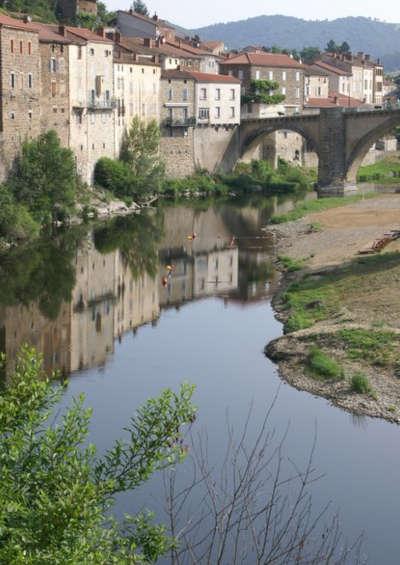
column 199, row 77
column 50, row 34
column 87, row 35
column 332, row 69
column 7, row 21
column 264, row 60
column 335, row 100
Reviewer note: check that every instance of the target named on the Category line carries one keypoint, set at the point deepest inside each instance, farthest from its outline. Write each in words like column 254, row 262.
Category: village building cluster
column 88, row 86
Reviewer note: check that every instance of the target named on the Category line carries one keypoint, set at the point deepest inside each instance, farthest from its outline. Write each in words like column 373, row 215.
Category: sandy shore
column 371, row 300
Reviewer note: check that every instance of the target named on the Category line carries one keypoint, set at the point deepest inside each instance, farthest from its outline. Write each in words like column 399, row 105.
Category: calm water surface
column 100, row 305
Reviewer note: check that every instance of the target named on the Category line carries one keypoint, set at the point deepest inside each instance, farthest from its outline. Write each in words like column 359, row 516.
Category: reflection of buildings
column 108, row 300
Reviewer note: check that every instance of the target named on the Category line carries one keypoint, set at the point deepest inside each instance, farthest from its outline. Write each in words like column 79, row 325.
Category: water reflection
column 72, row 296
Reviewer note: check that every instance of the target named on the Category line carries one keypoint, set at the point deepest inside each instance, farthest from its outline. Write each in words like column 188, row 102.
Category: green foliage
column 200, row 183
column 56, row 494
column 263, row 92
column 43, row 9
column 310, row 54
column 140, row 151
column 360, row 384
column 45, row 179
column 376, row 347
column 140, row 8
column 136, row 237
column 323, row 366
column 318, row 205
column 291, row 265
column 115, row 176
column 308, row 302
column 332, row 47
column 16, row 224
column 386, row 171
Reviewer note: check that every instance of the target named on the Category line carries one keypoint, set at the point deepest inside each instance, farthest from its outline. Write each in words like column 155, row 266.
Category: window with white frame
column 233, row 94
column 297, row 76
column 271, row 75
column 217, row 94
column 284, row 75
column 241, row 74
column 283, row 90
column 233, row 111
column 257, row 75
column 297, row 92
column 204, row 113
column 203, row 93
column 217, row 113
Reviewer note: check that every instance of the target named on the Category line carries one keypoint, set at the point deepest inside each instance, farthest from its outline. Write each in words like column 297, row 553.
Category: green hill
column 379, row 39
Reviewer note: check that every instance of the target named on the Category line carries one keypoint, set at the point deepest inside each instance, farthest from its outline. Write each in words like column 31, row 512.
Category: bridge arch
column 357, row 153
column 252, row 137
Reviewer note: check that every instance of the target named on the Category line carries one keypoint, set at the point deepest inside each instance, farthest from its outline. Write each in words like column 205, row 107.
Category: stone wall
column 177, row 152
column 20, row 92
column 54, row 95
column 216, row 148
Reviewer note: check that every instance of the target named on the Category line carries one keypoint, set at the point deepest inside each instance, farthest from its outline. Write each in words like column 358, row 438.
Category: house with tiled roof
column 277, row 67
column 20, row 88
column 316, row 82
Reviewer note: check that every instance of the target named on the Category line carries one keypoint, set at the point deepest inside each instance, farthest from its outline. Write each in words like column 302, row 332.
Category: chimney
column 367, row 57
column 148, row 42
column 117, row 37
column 360, row 54
column 335, row 100
column 155, row 17
column 101, row 32
column 131, row 11
column 27, row 19
column 61, row 30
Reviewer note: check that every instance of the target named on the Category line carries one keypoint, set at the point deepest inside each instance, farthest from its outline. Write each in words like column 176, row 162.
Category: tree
column 56, row 494
column 344, row 48
column 331, row 47
column 140, row 8
column 310, row 54
column 16, row 224
column 45, row 178
column 263, row 92
column 141, row 151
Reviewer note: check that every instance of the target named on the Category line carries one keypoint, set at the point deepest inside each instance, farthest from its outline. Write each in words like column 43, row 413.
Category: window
column 319, row 91
column 233, row 111
column 283, row 90
column 53, row 65
column 241, row 74
column 12, row 80
column 79, row 52
column 204, row 113
column 91, row 51
column 297, row 92
column 233, row 94
column 185, row 94
column 284, row 75
column 30, row 80
column 21, row 47
column 30, row 114
column 142, row 71
column 203, row 94
column 217, row 94
column 12, row 115
column 257, row 75
column 170, row 94
column 12, row 46
column 217, row 112
column 271, row 75
column 53, row 88
column 298, row 76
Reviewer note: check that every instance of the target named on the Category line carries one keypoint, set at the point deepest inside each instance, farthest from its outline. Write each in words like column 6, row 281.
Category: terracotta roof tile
column 332, row 69
column 7, row 21
column 264, row 60
column 199, row 77
column 335, row 100
column 87, row 35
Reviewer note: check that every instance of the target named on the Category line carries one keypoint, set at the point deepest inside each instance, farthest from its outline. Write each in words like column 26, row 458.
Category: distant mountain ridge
column 379, row 39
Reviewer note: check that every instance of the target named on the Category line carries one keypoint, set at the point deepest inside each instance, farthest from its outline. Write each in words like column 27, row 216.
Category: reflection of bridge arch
column 357, row 150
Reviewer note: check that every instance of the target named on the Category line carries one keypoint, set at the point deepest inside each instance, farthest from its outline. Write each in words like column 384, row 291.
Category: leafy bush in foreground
column 56, row 494
column 323, row 366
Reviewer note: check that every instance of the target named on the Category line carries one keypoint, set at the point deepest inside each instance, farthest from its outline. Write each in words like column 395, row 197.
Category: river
column 101, row 307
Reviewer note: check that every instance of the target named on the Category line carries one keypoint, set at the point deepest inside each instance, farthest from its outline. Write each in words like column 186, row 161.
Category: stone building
column 69, row 9
column 316, row 82
column 20, row 88
column 137, row 75
column 54, row 92
column 92, row 104
column 339, row 78
column 284, row 70
column 195, row 107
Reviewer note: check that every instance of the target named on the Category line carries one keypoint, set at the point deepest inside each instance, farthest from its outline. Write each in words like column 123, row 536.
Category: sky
column 199, row 13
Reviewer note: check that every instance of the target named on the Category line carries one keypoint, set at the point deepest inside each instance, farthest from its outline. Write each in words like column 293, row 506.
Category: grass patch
column 376, row 347
column 291, row 265
column 386, row 171
column 319, row 205
column 317, row 298
column 324, row 367
column 360, row 384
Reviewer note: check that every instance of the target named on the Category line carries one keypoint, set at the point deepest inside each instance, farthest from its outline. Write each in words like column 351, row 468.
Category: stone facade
column 137, row 93
column 20, row 92
column 69, row 9
column 54, row 95
column 316, row 83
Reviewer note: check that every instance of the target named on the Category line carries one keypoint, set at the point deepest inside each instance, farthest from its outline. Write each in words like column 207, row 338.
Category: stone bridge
column 341, row 138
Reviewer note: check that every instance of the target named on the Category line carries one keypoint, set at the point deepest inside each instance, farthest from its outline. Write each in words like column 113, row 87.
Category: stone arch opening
column 363, row 146
column 288, row 141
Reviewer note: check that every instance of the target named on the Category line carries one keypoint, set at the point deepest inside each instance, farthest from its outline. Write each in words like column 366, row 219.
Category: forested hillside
column 378, row 38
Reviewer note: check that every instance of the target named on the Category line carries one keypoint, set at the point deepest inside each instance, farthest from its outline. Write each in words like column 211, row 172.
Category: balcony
column 97, row 104
column 179, row 123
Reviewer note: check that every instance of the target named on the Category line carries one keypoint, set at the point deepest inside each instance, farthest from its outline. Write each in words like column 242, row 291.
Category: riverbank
column 340, row 309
